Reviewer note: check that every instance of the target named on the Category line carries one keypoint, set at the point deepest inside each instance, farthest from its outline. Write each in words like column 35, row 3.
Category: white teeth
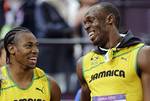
column 33, row 58
column 91, row 33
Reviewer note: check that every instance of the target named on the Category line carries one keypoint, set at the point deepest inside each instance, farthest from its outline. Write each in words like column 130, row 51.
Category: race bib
column 118, row 97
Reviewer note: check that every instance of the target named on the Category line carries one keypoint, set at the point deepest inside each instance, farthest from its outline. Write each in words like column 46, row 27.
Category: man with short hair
column 118, row 69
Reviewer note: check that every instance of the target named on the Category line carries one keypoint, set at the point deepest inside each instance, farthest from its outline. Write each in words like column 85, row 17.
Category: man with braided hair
column 21, row 80
column 119, row 68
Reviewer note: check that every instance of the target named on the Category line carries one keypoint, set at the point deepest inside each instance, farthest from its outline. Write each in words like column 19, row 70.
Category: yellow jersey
column 114, row 80
column 38, row 90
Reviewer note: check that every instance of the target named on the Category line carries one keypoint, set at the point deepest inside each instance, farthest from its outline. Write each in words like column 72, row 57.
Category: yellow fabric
column 114, row 77
column 37, row 91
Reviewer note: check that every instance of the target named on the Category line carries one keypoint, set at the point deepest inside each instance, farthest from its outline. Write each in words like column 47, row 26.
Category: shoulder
column 87, row 56
column 144, row 58
column 53, row 84
column 54, row 89
column 39, row 72
column 79, row 64
column 79, row 70
column 84, row 60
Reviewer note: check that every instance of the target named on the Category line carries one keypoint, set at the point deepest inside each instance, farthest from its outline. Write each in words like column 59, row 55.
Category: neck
column 116, row 42
column 21, row 77
column 114, row 39
column 24, row 75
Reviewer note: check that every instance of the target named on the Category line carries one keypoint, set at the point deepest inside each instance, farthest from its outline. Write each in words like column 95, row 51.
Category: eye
column 37, row 44
column 90, row 20
column 29, row 46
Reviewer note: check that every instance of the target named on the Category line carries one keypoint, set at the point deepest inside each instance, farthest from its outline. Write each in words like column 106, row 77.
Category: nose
column 87, row 26
column 35, row 50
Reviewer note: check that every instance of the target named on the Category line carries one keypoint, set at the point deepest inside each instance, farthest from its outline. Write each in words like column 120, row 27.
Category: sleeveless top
column 38, row 90
column 114, row 80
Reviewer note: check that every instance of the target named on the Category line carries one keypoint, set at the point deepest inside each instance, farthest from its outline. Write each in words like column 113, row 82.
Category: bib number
column 118, row 97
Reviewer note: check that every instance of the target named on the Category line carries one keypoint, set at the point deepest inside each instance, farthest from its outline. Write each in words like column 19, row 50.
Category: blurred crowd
column 51, row 19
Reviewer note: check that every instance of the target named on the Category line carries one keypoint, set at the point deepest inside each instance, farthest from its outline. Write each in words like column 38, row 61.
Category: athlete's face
column 94, row 24
column 26, row 50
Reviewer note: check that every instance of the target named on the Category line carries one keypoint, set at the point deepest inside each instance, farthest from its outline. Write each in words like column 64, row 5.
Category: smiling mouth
column 33, row 60
column 91, row 35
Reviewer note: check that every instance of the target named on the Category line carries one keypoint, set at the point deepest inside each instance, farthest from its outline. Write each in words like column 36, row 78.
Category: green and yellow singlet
column 38, row 90
column 115, row 80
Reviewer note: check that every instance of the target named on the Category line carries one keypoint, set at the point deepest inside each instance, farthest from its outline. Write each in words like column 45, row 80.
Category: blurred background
column 58, row 26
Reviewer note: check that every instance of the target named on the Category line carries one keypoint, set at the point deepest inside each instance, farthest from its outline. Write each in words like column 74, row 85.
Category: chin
column 32, row 66
column 95, row 43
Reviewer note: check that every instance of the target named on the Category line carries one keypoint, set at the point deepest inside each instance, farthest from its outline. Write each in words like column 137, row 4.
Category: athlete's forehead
column 94, row 12
column 27, row 36
column 96, row 9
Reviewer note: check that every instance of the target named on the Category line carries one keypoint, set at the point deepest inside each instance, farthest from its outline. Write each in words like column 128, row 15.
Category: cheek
column 3, row 56
column 100, row 38
column 20, row 54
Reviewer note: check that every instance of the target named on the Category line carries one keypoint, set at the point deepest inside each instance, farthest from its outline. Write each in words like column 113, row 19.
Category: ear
column 110, row 19
column 11, row 49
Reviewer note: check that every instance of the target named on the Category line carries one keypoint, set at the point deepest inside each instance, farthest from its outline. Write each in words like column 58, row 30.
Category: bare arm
column 144, row 62
column 55, row 90
column 85, row 92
